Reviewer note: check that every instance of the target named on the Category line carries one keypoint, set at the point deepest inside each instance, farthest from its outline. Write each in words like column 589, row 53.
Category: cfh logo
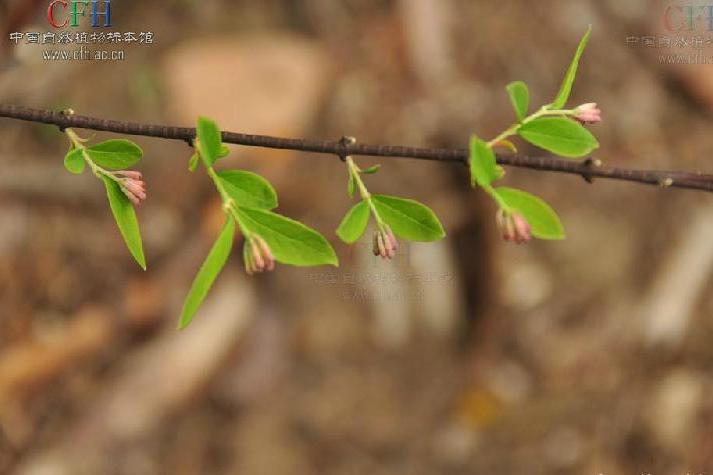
column 679, row 18
column 63, row 13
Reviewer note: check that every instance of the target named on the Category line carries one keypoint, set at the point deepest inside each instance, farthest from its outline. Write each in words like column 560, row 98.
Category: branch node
column 65, row 113
column 666, row 182
column 344, row 143
column 590, row 164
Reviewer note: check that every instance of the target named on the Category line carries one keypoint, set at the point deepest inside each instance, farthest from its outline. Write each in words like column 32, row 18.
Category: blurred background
column 467, row 356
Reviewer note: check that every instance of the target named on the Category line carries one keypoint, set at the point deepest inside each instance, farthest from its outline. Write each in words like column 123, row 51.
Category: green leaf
column 354, row 223
column 291, row 242
column 249, row 189
column 371, row 170
column 559, row 135
column 118, row 154
column 193, row 162
column 351, row 185
column 125, row 217
column 209, row 140
column 520, row 98
column 543, row 219
column 409, row 219
column 483, row 167
column 213, row 264
column 74, row 161
column 224, row 151
column 566, row 87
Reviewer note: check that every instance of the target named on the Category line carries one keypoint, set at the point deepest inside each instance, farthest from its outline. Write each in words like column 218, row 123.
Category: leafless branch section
column 589, row 169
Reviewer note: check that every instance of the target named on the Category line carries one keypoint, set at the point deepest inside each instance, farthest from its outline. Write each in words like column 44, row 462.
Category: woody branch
column 589, row 168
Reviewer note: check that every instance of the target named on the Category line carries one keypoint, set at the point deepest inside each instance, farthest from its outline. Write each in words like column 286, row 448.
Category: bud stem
column 542, row 112
column 78, row 143
column 355, row 172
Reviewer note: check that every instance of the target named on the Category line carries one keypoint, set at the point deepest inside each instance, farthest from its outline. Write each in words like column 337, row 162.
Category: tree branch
column 587, row 169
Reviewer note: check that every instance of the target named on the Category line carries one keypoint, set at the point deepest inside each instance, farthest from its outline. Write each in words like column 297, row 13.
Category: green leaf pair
column 253, row 198
column 117, row 154
column 544, row 222
column 408, row 219
column 291, row 242
column 551, row 129
column 561, row 135
column 248, row 200
column 557, row 134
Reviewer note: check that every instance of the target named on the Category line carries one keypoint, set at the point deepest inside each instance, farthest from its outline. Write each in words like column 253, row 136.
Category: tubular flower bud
column 505, row 225
column 132, row 185
column 514, row 227
column 385, row 243
column 391, row 238
column 523, row 230
column 257, row 255
column 588, row 113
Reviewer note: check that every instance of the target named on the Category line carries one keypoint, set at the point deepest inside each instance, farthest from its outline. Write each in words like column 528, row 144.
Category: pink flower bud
column 523, row 230
column 505, row 225
column 133, row 174
column 135, row 187
column 385, row 243
column 588, row 113
column 266, row 253
column 248, row 259
column 133, row 198
column 132, row 185
column 381, row 245
column 514, row 227
column 257, row 255
column 392, row 238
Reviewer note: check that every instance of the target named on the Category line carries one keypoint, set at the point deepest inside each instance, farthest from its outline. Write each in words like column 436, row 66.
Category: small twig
column 587, row 169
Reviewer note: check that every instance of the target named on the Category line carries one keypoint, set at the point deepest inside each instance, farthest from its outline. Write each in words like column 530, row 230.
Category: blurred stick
column 29, row 367
column 427, row 25
column 668, row 307
column 155, row 384
column 587, row 169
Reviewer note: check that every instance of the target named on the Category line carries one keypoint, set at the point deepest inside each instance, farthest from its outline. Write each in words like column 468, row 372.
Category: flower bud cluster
column 513, row 227
column 385, row 243
column 132, row 185
column 257, row 255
